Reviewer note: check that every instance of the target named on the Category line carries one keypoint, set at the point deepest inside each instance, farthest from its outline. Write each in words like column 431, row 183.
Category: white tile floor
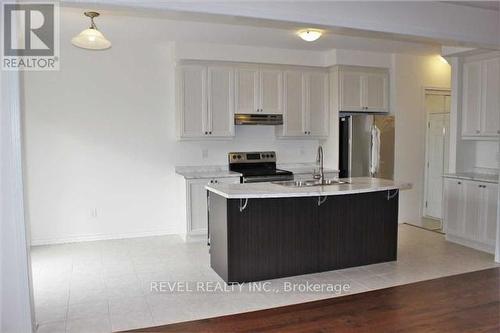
column 106, row 285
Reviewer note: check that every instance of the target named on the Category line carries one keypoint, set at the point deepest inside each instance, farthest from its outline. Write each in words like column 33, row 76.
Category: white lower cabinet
column 196, row 203
column 470, row 213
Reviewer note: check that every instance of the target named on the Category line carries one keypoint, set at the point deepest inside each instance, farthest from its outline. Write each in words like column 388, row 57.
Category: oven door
column 268, row 178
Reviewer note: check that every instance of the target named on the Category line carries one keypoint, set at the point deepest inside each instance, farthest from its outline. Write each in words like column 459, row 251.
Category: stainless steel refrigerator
column 366, row 146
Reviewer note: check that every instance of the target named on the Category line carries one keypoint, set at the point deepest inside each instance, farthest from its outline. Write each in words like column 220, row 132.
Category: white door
column 489, row 213
column 192, row 106
column 490, row 120
column 473, row 205
column 453, row 207
column 294, row 104
column 271, row 91
column 437, row 130
column 317, row 104
column 471, row 113
column 246, row 90
column 351, row 91
column 221, row 101
column 375, row 88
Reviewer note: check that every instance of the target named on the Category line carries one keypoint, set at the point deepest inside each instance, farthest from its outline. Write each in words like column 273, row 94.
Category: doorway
column 437, row 107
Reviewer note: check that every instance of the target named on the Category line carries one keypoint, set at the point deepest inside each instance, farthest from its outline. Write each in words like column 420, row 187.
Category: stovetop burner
column 257, row 166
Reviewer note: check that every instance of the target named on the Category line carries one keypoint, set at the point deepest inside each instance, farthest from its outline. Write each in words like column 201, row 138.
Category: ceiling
column 231, row 30
column 492, row 5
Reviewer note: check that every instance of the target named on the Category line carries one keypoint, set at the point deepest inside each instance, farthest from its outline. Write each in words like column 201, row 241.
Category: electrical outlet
column 204, row 153
column 93, row 213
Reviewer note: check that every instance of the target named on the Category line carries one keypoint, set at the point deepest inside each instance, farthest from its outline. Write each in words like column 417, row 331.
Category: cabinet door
column 317, row 104
column 473, row 196
column 471, row 105
column 221, row 101
column 197, row 206
column 453, row 207
column 246, row 90
column 489, row 213
column 375, row 92
column 294, row 104
column 197, row 209
column 271, row 91
column 350, row 91
column 192, row 102
column 490, row 107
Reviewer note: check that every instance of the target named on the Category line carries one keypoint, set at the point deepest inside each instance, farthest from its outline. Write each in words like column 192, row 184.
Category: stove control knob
column 239, row 157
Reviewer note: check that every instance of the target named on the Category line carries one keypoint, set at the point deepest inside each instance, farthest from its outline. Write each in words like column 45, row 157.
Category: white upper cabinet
column 480, row 99
column 271, row 91
column 362, row 89
column 375, row 92
column 305, row 104
column 490, row 120
column 221, row 101
column 351, row 91
column 191, row 101
column 317, row 104
column 471, row 124
column 259, row 89
column 205, row 101
column 247, row 90
column 294, row 104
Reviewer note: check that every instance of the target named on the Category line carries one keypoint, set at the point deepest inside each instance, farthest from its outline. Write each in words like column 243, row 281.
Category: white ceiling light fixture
column 310, row 35
column 91, row 38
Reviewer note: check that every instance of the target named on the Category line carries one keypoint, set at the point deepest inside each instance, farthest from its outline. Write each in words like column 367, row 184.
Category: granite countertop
column 200, row 172
column 270, row 190
column 482, row 177
column 222, row 171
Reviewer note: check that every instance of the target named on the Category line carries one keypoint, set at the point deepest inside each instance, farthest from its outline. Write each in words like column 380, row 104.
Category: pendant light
column 91, row 38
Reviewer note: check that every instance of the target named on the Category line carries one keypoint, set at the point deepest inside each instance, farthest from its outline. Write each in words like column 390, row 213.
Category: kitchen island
column 262, row 231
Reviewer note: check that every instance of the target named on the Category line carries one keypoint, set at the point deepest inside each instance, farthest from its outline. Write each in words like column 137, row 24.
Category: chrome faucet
column 319, row 161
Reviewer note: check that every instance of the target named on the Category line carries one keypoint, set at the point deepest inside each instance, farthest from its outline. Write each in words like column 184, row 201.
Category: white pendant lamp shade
column 91, row 38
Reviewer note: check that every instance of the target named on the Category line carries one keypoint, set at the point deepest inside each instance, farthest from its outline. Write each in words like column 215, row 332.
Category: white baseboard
column 470, row 243
column 98, row 237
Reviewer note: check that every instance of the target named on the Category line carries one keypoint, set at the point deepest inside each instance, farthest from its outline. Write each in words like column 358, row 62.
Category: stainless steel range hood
column 258, row 119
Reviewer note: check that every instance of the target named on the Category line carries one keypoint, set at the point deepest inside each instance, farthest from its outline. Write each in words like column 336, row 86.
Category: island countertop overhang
column 271, row 190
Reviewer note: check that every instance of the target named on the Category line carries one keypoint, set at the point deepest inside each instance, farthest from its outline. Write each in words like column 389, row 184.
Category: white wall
column 100, row 133
column 487, row 154
column 410, row 75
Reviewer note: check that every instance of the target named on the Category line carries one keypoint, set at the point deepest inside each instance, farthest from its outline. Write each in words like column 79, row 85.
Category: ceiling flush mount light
column 91, row 38
column 310, row 35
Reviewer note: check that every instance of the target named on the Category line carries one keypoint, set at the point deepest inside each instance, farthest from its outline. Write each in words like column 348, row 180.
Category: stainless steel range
column 257, row 167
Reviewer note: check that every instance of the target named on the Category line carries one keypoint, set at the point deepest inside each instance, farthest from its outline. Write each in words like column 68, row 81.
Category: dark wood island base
column 259, row 239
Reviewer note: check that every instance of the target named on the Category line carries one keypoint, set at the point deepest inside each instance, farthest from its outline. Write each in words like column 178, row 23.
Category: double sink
column 311, row 182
